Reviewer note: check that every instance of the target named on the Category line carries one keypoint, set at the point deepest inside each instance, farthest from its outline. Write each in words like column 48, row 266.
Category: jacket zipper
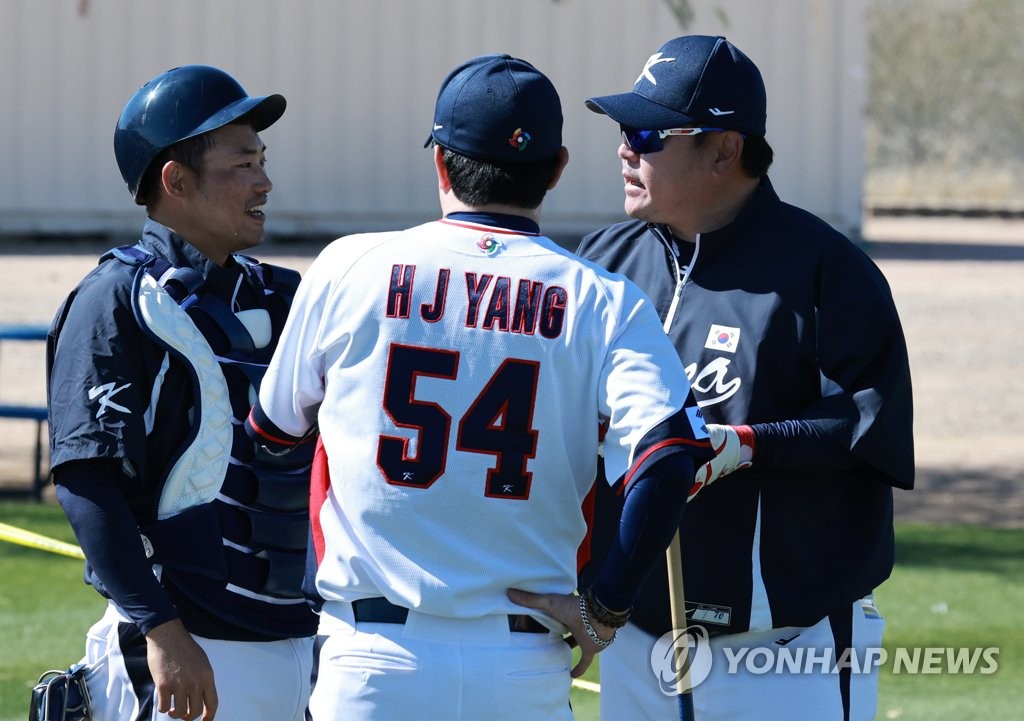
column 681, row 278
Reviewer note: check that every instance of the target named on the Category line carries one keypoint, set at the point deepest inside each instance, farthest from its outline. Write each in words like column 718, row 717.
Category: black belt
column 381, row 610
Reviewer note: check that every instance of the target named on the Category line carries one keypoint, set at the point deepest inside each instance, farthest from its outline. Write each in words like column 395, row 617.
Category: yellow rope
column 20, row 536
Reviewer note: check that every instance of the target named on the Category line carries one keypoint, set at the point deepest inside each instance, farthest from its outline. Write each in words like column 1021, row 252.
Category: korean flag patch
column 722, row 337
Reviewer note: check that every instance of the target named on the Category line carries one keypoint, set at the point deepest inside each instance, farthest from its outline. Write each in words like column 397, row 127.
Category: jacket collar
column 164, row 242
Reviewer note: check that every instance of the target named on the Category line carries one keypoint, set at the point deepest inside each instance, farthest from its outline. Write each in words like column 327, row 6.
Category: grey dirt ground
column 959, row 286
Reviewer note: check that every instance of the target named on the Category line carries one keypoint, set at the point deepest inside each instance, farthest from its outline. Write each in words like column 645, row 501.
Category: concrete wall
column 361, row 79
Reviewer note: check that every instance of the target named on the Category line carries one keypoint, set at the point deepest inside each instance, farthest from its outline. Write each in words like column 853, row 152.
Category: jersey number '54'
column 499, row 422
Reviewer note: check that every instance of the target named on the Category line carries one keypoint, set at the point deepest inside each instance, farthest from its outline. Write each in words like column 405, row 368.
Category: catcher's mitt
column 60, row 696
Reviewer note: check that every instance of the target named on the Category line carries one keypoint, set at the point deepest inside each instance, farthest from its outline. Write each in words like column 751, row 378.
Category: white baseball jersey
column 459, row 374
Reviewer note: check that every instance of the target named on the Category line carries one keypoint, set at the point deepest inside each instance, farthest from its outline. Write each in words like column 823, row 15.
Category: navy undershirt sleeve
column 803, row 445
column 651, row 513
column 107, row 532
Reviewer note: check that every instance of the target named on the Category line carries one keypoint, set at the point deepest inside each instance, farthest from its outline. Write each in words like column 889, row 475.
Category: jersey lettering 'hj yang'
column 459, row 373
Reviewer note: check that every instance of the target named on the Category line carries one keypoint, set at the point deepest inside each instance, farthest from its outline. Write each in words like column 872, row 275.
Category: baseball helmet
column 179, row 104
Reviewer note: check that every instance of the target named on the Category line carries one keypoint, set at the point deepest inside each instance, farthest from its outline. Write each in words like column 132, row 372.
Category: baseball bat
column 680, row 647
column 21, row 537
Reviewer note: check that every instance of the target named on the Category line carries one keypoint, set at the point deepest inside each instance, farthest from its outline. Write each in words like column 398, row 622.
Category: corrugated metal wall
column 361, row 78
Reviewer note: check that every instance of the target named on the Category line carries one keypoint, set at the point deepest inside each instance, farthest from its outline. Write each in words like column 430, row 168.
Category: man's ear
column 174, row 177
column 443, row 181
column 728, row 149
column 563, row 160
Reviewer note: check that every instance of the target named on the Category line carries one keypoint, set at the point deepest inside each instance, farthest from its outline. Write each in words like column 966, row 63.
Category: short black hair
column 479, row 182
column 757, row 156
column 188, row 152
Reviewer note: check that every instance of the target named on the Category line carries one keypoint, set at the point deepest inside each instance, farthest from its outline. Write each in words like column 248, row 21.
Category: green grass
column 953, row 586
column 585, row 704
column 45, row 607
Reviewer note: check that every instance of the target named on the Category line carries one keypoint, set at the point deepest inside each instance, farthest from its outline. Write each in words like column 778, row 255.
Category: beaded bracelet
column 590, row 629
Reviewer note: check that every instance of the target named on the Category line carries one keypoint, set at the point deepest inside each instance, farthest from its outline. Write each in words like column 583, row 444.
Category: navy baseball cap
column 692, row 80
column 499, row 109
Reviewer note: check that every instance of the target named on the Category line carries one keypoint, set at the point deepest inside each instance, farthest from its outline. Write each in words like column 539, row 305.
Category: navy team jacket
column 783, row 324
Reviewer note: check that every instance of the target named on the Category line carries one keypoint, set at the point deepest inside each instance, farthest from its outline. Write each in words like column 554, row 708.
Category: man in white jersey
column 460, row 373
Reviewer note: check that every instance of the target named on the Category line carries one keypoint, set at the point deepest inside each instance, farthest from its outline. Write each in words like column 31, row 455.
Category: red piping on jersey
column 319, row 484
column 583, row 553
column 488, row 228
column 269, row 437
column 658, row 446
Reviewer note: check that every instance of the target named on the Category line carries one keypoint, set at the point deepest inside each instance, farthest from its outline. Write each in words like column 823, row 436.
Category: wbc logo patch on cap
column 519, row 140
column 723, row 337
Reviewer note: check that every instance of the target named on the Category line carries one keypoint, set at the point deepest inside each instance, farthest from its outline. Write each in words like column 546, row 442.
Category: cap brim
column 637, row 111
column 267, row 111
column 262, row 112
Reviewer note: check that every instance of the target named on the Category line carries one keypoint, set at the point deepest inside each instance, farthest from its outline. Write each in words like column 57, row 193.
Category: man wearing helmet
column 195, row 536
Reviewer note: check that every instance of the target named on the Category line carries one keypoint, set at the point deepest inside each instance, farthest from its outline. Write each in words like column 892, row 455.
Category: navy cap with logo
column 692, row 80
column 499, row 109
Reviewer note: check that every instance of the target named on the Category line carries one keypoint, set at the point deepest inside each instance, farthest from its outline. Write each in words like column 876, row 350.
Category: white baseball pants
column 783, row 673
column 437, row 668
column 256, row 681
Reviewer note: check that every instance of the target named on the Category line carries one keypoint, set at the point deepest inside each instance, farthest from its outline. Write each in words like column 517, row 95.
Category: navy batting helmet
column 180, row 104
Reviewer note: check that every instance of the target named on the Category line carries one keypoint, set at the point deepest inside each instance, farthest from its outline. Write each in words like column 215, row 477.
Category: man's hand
column 734, row 450
column 566, row 609
column 182, row 672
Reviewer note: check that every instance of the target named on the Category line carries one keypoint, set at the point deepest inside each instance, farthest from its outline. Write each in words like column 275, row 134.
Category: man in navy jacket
column 793, row 346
